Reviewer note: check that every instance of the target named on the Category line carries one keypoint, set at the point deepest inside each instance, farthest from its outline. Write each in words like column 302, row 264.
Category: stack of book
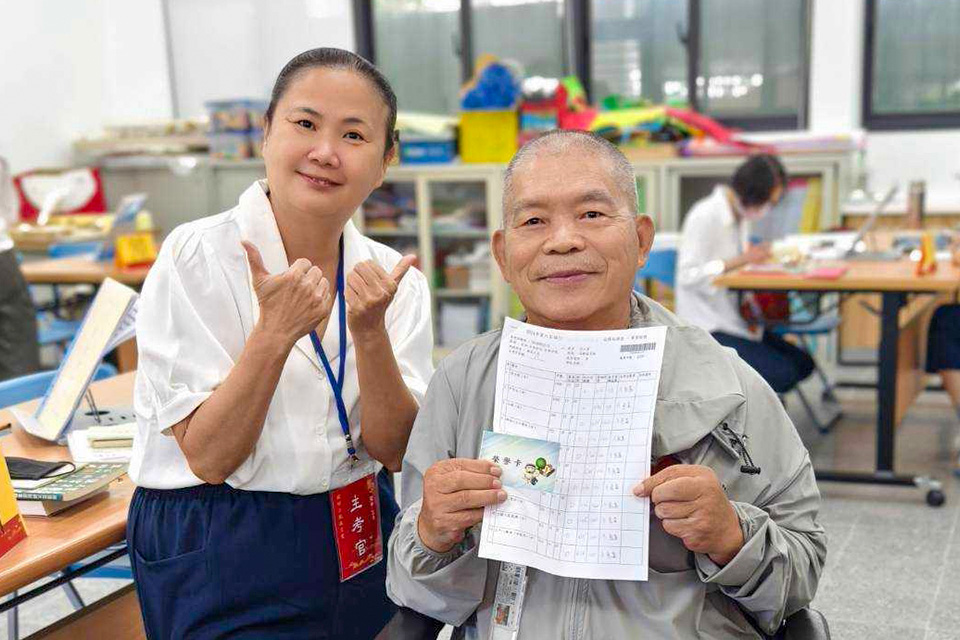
column 65, row 487
column 108, row 443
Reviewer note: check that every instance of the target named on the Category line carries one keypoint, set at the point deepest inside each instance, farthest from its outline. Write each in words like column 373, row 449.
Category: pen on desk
column 6, row 428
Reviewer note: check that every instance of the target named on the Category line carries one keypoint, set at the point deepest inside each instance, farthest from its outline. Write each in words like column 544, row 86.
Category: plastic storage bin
column 256, row 143
column 488, row 136
column 418, row 150
column 230, row 146
column 236, row 115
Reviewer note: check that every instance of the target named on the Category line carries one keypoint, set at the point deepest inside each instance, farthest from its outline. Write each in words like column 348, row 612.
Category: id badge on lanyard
column 336, row 382
column 508, row 604
column 355, row 508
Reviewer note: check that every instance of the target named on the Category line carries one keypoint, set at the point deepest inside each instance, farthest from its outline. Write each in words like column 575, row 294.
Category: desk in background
column 80, row 271
column 903, row 323
column 55, row 543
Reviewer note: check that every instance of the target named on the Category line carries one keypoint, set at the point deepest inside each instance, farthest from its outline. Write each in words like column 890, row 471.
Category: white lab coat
column 710, row 235
column 196, row 312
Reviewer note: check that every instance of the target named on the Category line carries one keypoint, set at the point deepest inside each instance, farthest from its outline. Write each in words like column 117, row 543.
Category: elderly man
column 731, row 552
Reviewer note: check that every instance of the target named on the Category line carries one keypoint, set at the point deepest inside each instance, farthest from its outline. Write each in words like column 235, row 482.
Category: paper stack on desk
column 114, row 436
column 113, row 443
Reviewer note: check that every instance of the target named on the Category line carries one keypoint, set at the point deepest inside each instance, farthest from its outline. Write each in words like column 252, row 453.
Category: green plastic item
column 616, row 102
column 574, row 89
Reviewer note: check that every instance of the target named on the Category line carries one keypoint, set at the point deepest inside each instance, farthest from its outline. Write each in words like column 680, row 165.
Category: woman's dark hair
column 755, row 179
column 332, row 58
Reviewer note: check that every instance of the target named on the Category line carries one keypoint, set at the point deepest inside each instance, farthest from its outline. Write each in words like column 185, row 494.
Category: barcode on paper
column 638, row 348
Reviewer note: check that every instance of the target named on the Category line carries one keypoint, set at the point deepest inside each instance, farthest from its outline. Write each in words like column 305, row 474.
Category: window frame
column 904, row 121
column 799, row 121
column 579, row 12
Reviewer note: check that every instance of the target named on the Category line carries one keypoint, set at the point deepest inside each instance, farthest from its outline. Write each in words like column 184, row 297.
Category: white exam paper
column 594, row 392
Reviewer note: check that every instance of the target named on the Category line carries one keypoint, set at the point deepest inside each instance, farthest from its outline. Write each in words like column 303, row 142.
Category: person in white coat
column 714, row 239
column 282, row 359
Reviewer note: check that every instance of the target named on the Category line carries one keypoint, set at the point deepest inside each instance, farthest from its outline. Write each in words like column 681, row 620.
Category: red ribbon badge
column 356, row 526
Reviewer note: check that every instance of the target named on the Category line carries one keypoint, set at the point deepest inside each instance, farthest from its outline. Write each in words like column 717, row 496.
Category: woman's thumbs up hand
column 369, row 291
column 292, row 303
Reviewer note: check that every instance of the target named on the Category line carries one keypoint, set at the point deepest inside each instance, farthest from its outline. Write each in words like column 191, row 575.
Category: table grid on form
column 601, row 422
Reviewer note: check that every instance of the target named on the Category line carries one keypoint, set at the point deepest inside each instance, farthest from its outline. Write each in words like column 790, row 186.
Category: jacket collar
column 699, row 387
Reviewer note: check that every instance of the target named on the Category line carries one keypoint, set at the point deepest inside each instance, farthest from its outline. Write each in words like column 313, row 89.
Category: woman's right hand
column 292, row 303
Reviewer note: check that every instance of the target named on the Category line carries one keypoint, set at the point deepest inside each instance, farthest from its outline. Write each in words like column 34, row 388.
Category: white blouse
column 710, row 235
column 195, row 313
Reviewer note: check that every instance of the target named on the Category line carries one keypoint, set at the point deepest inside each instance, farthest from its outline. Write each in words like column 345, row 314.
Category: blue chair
column 807, row 324
column 52, row 330
column 34, row 385
column 661, row 266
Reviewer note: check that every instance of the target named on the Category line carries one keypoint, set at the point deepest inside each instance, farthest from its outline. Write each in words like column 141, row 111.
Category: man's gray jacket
column 705, row 390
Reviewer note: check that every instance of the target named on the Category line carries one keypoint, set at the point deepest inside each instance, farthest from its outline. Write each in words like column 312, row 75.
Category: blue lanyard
column 336, row 382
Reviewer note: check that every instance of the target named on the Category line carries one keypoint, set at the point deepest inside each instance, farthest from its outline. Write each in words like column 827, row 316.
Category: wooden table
column 897, row 283
column 80, row 271
column 56, row 542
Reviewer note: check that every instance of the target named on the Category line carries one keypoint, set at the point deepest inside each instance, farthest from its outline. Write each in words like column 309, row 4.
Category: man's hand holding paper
column 692, row 506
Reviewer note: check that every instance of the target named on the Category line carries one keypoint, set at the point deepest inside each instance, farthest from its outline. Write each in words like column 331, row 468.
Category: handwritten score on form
column 594, row 392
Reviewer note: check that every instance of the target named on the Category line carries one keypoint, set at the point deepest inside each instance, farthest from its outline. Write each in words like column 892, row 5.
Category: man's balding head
column 572, row 240
column 588, row 146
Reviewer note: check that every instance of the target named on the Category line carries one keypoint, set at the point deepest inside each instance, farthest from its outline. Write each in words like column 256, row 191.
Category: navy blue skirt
column 216, row 562
column 943, row 341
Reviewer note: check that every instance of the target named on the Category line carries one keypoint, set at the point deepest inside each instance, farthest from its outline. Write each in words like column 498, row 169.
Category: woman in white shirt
column 713, row 240
column 265, row 334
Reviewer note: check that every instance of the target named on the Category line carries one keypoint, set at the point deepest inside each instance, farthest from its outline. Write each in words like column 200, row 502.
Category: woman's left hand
column 369, row 291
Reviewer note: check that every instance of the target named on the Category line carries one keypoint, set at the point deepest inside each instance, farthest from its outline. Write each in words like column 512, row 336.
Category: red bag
column 765, row 307
column 83, row 192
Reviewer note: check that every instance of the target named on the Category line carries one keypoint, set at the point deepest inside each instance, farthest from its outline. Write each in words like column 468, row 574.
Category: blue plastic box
column 415, row 150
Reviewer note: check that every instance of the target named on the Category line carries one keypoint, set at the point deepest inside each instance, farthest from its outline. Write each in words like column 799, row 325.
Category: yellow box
column 135, row 249
column 12, row 529
column 488, row 136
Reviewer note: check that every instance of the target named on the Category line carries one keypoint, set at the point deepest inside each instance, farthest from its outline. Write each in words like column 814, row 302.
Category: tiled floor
column 893, row 570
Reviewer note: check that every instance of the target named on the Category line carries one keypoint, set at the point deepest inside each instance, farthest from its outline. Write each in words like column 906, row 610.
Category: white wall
column 69, row 67
column 835, row 106
column 235, row 48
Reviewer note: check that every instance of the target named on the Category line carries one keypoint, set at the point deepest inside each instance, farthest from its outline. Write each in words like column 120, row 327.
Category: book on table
column 52, row 507
column 115, row 436
column 109, row 321
column 87, row 480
